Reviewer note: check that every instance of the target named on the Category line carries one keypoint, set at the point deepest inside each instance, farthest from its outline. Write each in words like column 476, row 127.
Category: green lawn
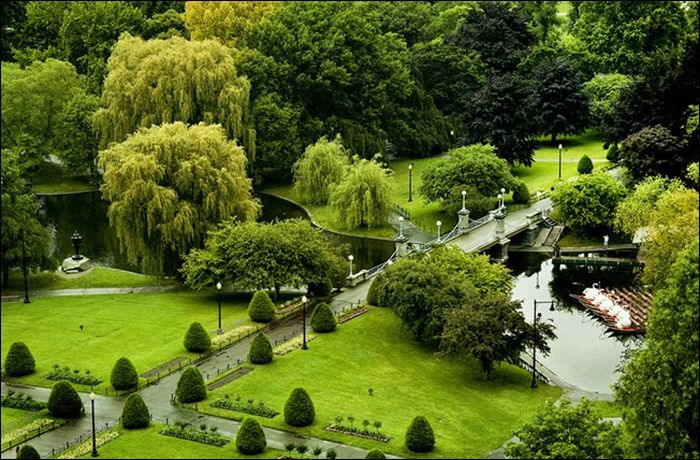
column 470, row 416
column 16, row 418
column 147, row 328
column 97, row 277
column 52, row 178
column 147, row 443
column 607, row 408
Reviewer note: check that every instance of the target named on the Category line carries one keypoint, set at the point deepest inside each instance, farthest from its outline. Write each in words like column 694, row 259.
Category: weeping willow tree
column 362, row 198
column 322, row 165
column 230, row 22
column 168, row 185
column 163, row 81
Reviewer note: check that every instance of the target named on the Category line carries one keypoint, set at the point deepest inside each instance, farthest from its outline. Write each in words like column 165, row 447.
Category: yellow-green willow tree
column 230, row 22
column 361, row 199
column 163, row 81
column 168, row 185
column 322, row 165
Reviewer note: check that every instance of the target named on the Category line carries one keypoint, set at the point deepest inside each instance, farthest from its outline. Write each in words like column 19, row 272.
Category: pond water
column 584, row 354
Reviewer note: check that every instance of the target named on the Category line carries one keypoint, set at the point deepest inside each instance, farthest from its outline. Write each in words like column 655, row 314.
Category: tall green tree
column 164, row 81
column 603, row 92
column 13, row 17
column 589, row 202
column 76, row 137
column 40, row 32
column 278, row 141
column 361, row 199
column 322, row 165
column 653, row 151
column 659, row 384
column 230, row 22
column 168, row 185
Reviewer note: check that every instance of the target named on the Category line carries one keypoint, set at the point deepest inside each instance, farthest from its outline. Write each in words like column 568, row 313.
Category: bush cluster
column 19, row 360
column 191, row 387
column 260, row 350
column 322, row 319
column 182, row 431
column 124, row 375
column 75, row 376
column 521, row 194
column 250, row 439
column 197, row 340
column 135, row 413
column 613, row 154
column 299, row 410
column 28, row 452
column 419, row 436
column 248, row 407
column 64, row 401
column 321, row 289
column 21, row 401
column 261, row 309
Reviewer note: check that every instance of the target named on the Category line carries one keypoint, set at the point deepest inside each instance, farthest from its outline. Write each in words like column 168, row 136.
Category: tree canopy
column 588, row 202
column 168, row 185
column 361, row 199
column 322, row 165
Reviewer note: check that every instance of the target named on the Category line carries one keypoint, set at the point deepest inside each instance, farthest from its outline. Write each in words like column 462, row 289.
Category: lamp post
column 94, row 440
column 539, row 194
column 410, row 177
column 503, row 197
column 400, row 226
column 536, row 316
column 500, row 200
column 303, row 316
column 452, row 138
column 560, row 147
column 218, row 290
column 76, row 239
column 438, row 226
column 24, row 269
column 350, row 258
column 464, row 200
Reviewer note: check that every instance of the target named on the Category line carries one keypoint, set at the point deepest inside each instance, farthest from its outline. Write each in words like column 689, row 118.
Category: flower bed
column 28, row 431
column 289, row 305
column 347, row 315
column 230, row 335
column 75, row 376
column 358, row 432
column 19, row 401
column 180, row 430
column 86, row 446
column 292, row 344
column 247, row 407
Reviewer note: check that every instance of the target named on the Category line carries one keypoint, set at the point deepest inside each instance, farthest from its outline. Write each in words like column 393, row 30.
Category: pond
column 584, row 354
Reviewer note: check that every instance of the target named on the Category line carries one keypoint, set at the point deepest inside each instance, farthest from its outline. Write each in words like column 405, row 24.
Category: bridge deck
column 597, row 261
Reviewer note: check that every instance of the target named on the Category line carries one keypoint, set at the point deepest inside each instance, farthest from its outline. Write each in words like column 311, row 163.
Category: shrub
column 181, row 431
column 18, row 401
column 419, row 436
column 261, row 308
column 585, row 165
column 331, row 454
column 613, row 153
column 521, row 194
column 247, row 407
column 190, row 387
column 321, row 289
column 197, row 340
column 375, row 291
column 260, row 350
column 299, row 410
column 28, row 451
column 375, row 454
column 19, row 360
column 322, row 319
column 86, row 378
column 250, row 439
column 135, row 413
column 124, row 376
column 64, row 401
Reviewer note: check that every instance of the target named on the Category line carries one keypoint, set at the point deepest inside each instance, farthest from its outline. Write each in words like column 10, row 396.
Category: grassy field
column 470, row 416
column 98, row 277
column 147, row 328
column 16, row 418
column 147, row 443
column 52, row 178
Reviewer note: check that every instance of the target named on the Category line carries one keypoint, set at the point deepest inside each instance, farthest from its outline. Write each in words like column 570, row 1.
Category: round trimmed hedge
column 28, row 452
column 191, row 387
column 375, row 454
column 321, row 289
column 585, row 165
column 135, row 413
column 64, row 401
column 322, row 319
column 260, row 350
column 250, row 439
column 197, row 340
column 521, row 194
column 376, row 289
column 19, row 360
column 124, row 375
column 613, row 154
column 299, row 410
column 419, row 436
column 261, row 309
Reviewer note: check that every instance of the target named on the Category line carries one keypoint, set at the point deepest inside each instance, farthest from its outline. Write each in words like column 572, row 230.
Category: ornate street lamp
column 303, row 316
column 400, row 226
column 560, row 147
column 24, row 269
column 350, row 258
column 410, row 176
column 76, row 239
column 218, row 289
column 94, row 439
column 438, row 226
column 464, row 198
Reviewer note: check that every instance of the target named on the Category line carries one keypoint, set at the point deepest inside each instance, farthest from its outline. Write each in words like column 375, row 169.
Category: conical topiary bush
column 521, row 194
column 299, row 409
column 419, row 436
column 19, row 360
column 322, row 319
column 375, row 454
column 64, row 401
column 191, row 387
column 261, row 309
column 124, row 375
column 28, row 452
column 260, row 350
column 135, row 413
column 585, row 165
column 197, row 340
column 250, row 439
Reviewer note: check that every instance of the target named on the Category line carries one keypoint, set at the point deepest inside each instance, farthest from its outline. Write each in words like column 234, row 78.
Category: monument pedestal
column 76, row 265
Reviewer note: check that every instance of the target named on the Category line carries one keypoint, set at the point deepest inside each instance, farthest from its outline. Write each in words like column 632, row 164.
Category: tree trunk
column 277, row 291
column 554, row 137
column 5, row 276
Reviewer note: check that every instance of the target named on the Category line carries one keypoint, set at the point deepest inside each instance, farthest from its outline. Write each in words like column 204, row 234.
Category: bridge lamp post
column 94, row 440
column 500, row 200
column 560, row 147
column 400, row 226
column 503, row 196
column 350, row 258
column 410, row 176
column 464, row 197
column 439, row 223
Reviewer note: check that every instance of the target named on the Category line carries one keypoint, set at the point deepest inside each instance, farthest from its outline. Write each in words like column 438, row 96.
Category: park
column 349, row 229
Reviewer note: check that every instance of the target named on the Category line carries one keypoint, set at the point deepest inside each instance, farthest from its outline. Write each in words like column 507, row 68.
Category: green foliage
column 78, row 139
column 361, row 199
column 248, row 407
column 322, row 165
column 299, row 409
column 567, row 431
column 135, row 413
column 613, row 154
column 28, row 452
column 250, row 439
column 322, row 288
column 65, row 373
column 585, row 165
column 636, row 210
column 662, row 376
column 182, row 181
column 232, row 23
column 260, row 350
column 419, row 436
column 191, row 387
column 18, row 401
column 64, row 401
column 261, row 309
column 278, row 142
column 19, row 360
column 604, row 92
column 375, row 454
column 521, row 194
column 653, row 151
column 322, row 319
column 124, row 375
column 182, row 431
column 587, row 202
column 197, row 339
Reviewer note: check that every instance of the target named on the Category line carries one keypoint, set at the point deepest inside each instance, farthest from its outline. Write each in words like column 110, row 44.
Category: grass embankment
column 98, row 277
column 147, row 328
column 470, row 416
column 147, row 443
column 53, row 178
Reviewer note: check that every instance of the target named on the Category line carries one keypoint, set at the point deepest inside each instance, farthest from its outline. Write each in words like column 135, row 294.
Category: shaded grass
column 147, row 328
column 52, row 178
column 607, row 408
column 470, row 416
column 13, row 419
column 147, row 443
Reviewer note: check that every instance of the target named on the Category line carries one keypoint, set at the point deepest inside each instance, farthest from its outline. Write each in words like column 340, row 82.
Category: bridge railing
column 378, row 268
